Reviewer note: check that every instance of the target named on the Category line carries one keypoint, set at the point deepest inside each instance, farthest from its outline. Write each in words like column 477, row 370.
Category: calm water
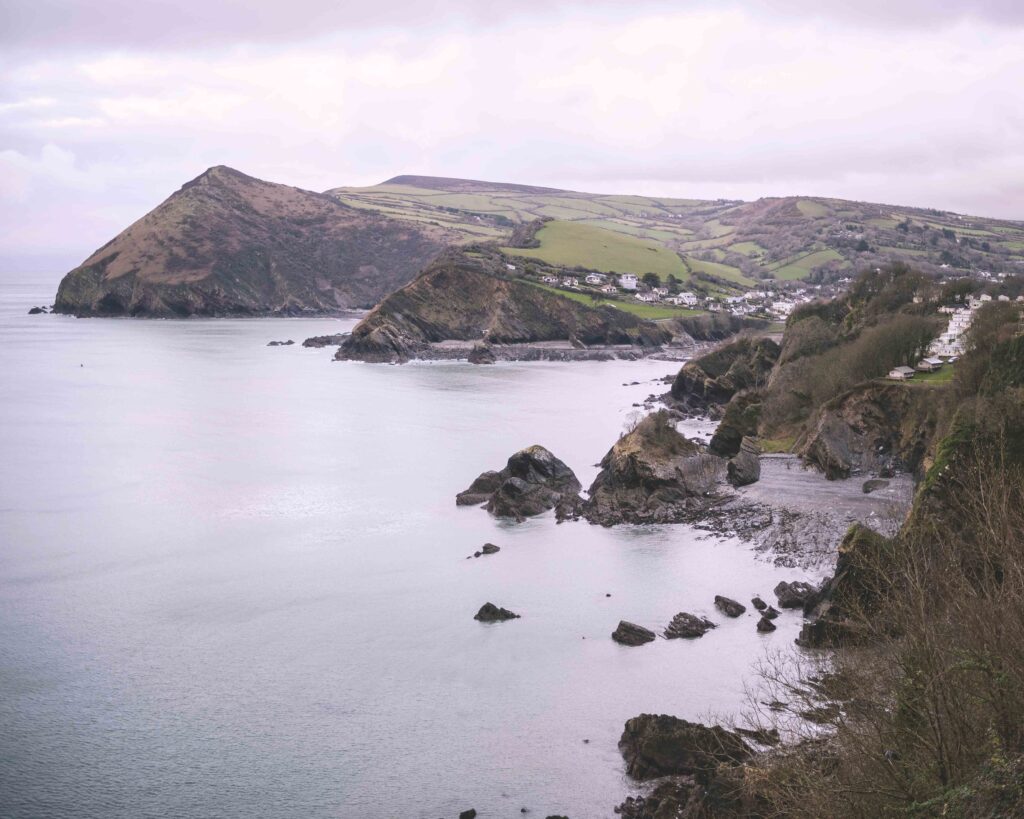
column 232, row 581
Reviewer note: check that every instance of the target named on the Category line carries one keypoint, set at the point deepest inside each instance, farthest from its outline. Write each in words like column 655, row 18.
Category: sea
column 234, row 582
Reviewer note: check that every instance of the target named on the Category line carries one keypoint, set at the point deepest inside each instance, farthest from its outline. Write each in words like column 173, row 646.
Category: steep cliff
column 229, row 244
column 709, row 382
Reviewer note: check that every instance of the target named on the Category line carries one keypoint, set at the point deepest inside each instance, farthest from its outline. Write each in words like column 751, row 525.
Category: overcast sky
column 108, row 106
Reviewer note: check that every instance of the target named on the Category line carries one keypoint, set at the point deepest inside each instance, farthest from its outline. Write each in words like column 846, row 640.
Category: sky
column 108, row 106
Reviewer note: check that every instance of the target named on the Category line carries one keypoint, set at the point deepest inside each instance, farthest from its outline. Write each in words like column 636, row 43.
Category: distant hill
column 229, row 244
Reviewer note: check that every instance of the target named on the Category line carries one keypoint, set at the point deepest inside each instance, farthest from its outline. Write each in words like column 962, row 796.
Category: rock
column 729, row 607
column 794, row 595
column 490, row 549
column 490, row 613
column 745, row 467
column 688, row 626
column 280, row 343
column 481, row 354
column 740, row 420
column 533, row 481
column 325, row 341
column 630, row 634
column 710, row 381
column 771, row 613
column 468, row 814
column 759, row 604
column 35, row 311
column 660, row 745
column 873, row 484
column 765, row 624
column 654, row 475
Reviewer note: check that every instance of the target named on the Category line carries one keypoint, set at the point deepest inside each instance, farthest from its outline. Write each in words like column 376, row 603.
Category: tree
column 651, row 279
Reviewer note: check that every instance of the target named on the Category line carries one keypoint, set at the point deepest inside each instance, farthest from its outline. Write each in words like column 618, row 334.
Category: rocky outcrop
column 660, row 745
column 471, row 299
column 532, row 482
column 740, row 420
column 874, row 427
column 687, row 626
column 729, row 607
column 486, row 549
column 229, row 244
column 630, row 634
column 490, row 613
column 708, row 383
column 325, row 341
column 481, row 354
column 841, row 609
column 654, row 475
column 745, row 467
column 795, row 594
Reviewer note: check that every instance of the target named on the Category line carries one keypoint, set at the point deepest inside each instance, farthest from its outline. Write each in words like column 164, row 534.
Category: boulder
column 765, row 624
column 729, row 607
column 468, row 814
column 653, row 474
column 759, row 604
column 745, row 467
column 688, row 626
column 35, row 311
column 794, row 595
column 771, row 613
column 481, row 354
column 490, row 613
column 874, row 484
column 533, row 481
column 630, row 634
column 661, row 745
column 490, row 549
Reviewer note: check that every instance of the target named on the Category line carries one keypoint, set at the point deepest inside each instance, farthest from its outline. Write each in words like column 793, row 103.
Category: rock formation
column 795, row 594
column 229, row 244
column 729, row 607
column 533, row 481
column 687, row 626
column 709, row 382
column 490, row 613
column 630, row 634
column 660, row 745
column 745, row 467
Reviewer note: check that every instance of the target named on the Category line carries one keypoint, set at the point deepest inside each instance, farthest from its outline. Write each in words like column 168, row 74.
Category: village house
column 901, row 373
column 929, row 365
column 609, row 288
column 595, row 278
column 661, row 291
column 570, row 281
column 647, row 297
column 689, row 299
column 549, row 280
column 627, row 281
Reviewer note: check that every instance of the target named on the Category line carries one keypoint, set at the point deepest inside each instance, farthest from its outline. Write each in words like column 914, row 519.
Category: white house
column 627, row 281
column 510, row 267
column 609, row 288
column 929, row 365
column 549, row 280
column 689, row 299
column 570, row 281
column 595, row 278
column 648, row 297
column 901, row 373
column 661, row 291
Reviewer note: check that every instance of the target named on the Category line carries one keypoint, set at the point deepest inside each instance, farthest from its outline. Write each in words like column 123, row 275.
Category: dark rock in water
column 729, row 607
column 765, row 624
column 490, row 549
column 873, row 484
column 759, row 604
column 671, row 798
column 533, row 481
column 35, row 311
column 771, row 612
column 630, row 634
column 468, row 814
column 490, row 613
column 745, row 467
column 654, row 475
column 280, row 343
column 660, row 745
column 481, row 354
column 794, row 595
column 688, row 626
column 325, row 341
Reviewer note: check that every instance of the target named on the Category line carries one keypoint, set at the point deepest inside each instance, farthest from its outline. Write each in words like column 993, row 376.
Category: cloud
column 720, row 102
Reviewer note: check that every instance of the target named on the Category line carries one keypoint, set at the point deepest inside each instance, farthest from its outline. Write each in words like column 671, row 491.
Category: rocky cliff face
column 463, row 297
column 229, row 244
column 709, row 382
column 875, row 427
column 653, row 475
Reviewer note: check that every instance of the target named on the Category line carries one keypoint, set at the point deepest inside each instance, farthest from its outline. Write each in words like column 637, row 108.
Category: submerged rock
column 729, row 607
column 794, row 595
column 661, row 745
column 468, row 814
column 287, row 343
column 490, row 549
column 533, row 481
column 490, row 613
column 873, row 485
column 630, row 634
column 481, row 354
column 688, row 626
column 654, row 475
column 35, row 311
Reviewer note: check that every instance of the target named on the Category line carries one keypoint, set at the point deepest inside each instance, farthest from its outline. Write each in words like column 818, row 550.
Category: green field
column 800, row 266
column 577, row 243
column 722, row 271
column 942, row 376
column 812, row 209
column 747, row 248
